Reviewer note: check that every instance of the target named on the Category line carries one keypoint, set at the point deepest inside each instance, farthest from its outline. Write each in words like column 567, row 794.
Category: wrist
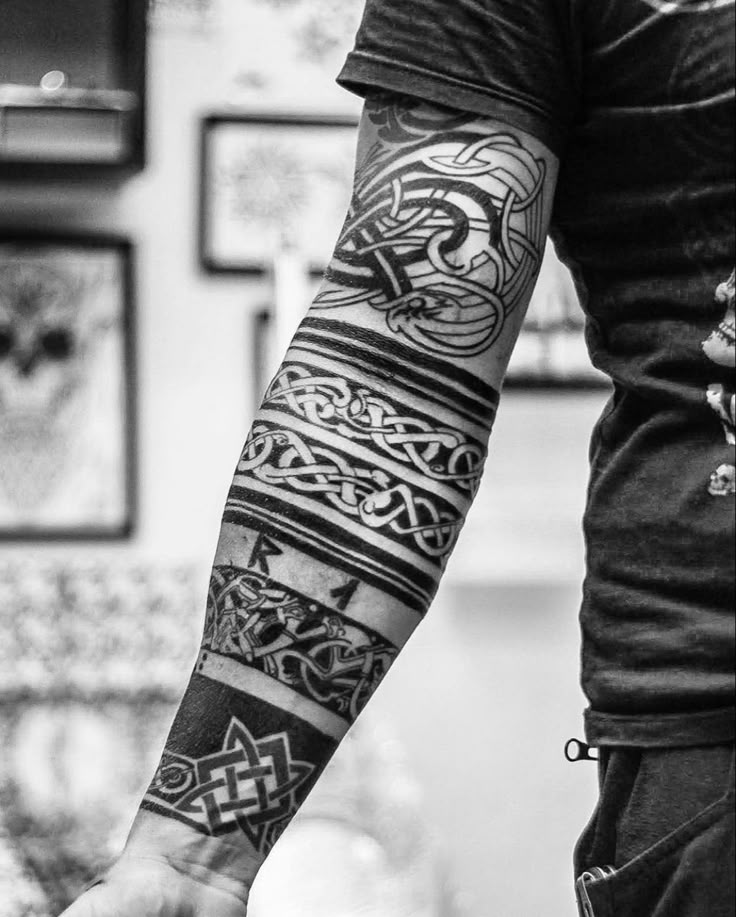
column 214, row 862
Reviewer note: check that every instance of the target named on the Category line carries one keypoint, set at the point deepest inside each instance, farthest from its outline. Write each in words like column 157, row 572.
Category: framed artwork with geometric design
column 67, row 387
column 270, row 182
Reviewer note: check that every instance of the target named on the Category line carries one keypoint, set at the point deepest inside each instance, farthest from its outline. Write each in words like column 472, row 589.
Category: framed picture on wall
column 551, row 352
column 67, row 387
column 270, row 182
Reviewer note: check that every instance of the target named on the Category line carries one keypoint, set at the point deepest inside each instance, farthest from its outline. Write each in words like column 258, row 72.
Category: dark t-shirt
column 636, row 98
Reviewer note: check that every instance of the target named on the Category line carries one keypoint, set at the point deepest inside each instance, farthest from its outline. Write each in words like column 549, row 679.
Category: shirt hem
column 666, row 730
column 364, row 71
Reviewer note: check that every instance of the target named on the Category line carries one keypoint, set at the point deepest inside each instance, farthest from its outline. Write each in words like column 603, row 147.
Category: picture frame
column 67, row 387
column 551, row 351
column 272, row 181
column 551, row 358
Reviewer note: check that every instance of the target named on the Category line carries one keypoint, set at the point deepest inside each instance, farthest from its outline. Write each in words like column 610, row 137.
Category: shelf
column 85, row 113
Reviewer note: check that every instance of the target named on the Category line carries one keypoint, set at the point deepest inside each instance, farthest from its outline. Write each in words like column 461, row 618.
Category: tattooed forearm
column 444, row 233
column 384, row 495
column 360, row 467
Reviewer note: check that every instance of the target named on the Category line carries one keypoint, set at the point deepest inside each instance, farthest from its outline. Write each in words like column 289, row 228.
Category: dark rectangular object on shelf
column 64, row 135
column 72, row 87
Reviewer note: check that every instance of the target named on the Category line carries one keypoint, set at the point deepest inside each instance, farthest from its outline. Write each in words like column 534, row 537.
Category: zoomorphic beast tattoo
column 314, row 650
column 444, row 232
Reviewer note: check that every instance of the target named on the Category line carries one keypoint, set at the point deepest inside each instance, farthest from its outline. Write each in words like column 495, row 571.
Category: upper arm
column 445, row 233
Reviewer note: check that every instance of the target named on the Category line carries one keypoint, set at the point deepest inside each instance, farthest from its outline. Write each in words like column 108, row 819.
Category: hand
column 147, row 887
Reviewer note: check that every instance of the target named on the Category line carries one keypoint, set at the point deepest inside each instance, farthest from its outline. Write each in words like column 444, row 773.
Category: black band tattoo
column 444, row 233
column 244, row 770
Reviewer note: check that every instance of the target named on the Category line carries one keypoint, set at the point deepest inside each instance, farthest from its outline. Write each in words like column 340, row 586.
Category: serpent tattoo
column 444, row 233
column 359, row 469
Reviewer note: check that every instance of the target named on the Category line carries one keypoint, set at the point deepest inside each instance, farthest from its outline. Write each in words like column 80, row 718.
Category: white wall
column 487, row 693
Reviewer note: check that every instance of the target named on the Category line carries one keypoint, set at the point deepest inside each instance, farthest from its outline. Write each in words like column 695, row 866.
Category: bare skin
column 151, row 888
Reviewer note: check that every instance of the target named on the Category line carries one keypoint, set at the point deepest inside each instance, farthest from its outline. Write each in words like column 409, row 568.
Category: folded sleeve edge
column 363, row 72
column 664, row 730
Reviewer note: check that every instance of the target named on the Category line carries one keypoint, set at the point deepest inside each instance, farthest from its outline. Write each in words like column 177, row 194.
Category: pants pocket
column 688, row 873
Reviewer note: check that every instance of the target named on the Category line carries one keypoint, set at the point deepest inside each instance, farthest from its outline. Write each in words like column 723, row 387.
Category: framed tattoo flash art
column 66, row 387
column 271, row 182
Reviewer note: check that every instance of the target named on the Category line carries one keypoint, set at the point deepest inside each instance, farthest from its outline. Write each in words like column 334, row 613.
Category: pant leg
column 661, row 843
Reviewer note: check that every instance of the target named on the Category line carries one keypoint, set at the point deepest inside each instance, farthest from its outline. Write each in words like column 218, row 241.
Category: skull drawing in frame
column 720, row 348
column 47, row 328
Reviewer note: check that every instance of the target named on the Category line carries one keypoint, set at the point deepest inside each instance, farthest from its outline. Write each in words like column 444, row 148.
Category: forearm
column 344, row 508
column 354, row 482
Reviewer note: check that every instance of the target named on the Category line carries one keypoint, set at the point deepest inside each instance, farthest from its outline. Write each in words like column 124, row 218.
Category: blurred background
column 162, row 168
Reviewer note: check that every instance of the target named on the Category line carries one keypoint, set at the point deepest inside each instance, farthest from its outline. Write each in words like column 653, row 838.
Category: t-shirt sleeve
column 506, row 59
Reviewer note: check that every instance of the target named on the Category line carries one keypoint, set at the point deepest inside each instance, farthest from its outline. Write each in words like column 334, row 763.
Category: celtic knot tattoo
column 444, row 233
column 360, row 467
column 361, row 415
column 282, row 458
column 251, row 786
column 368, row 453
column 312, row 649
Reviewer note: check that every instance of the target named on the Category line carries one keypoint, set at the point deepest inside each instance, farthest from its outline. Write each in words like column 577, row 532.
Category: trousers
column 661, row 840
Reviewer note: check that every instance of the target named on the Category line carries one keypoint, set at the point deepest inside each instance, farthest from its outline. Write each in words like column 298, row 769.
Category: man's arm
column 351, row 489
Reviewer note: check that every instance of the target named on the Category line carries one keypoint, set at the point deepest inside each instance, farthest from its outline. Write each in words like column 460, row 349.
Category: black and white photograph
column 367, row 458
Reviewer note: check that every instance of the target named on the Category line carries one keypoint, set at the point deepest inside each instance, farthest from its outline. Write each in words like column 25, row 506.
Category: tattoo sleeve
column 360, row 466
